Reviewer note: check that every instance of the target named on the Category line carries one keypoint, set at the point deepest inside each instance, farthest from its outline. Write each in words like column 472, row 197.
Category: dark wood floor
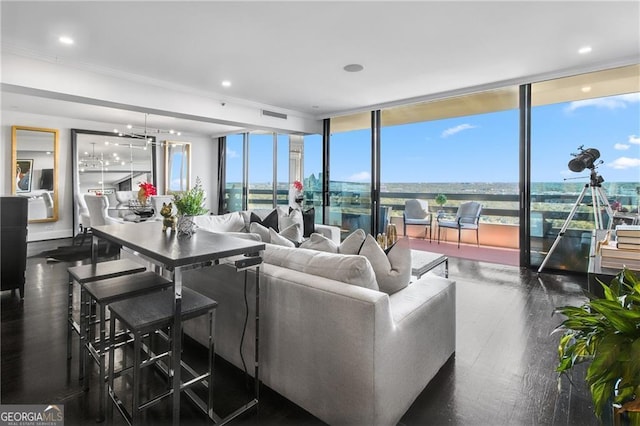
column 502, row 372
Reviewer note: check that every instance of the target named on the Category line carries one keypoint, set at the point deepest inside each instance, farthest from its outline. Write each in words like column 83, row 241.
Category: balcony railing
column 497, row 208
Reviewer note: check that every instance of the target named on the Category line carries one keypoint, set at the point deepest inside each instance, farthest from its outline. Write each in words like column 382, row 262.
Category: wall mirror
column 177, row 167
column 112, row 165
column 34, row 165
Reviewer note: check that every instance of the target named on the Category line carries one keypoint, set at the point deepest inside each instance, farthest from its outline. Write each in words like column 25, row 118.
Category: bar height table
column 175, row 254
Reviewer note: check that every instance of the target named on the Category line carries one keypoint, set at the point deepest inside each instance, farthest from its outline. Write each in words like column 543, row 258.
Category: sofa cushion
column 392, row 270
column 270, row 221
column 275, row 238
column 353, row 242
column 350, row 269
column 321, row 243
column 230, row 222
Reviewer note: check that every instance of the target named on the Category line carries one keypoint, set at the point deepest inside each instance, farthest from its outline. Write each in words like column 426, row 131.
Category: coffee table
column 424, row 261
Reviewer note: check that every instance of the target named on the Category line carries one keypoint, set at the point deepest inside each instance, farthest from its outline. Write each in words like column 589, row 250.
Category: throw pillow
column 292, row 233
column 321, row 243
column 270, row 221
column 309, row 222
column 293, row 217
column 353, row 242
column 279, row 240
column 256, row 228
column 393, row 270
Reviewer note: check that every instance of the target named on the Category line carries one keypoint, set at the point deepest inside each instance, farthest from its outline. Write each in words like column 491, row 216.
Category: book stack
column 624, row 251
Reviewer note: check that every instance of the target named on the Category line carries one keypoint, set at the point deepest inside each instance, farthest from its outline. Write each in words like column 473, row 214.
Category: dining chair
column 416, row 212
column 98, row 207
column 467, row 218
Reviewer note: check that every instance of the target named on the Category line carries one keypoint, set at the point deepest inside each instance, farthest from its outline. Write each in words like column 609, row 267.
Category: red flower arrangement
column 147, row 189
column 297, row 185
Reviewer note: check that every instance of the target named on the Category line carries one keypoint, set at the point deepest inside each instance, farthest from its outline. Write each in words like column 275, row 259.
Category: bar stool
column 85, row 274
column 103, row 293
column 145, row 315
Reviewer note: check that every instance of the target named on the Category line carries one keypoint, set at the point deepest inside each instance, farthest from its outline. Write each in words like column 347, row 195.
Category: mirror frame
column 168, row 177
column 14, row 160
column 75, row 180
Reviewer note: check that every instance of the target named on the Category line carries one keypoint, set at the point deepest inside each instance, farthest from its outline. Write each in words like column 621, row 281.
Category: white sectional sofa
column 330, row 340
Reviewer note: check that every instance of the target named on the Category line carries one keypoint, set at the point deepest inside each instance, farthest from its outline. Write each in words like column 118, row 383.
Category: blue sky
column 481, row 148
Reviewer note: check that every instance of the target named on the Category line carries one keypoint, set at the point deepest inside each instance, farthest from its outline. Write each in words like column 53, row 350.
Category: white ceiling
column 290, row 55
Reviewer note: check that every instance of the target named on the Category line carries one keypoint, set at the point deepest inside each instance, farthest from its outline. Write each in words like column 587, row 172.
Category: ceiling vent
column 274, row 114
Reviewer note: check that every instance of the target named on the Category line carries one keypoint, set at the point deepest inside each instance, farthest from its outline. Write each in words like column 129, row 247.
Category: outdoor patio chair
column 467, row 218
column 416, row 212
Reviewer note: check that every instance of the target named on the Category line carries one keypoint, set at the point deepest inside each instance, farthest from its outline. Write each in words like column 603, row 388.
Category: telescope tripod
column 598, row 200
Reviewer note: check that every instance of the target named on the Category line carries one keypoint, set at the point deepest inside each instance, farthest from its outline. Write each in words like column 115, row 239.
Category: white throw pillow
column 279, row 239
column 353, row 242
column 256, row 228
column 320, row 242
column 285, row 220
column 292, row 233
column 393, row 270
column 349, row 269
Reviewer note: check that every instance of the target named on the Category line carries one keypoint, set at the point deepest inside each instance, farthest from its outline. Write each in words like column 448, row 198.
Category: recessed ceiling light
column 585, row 49
column 65, row 40
column 226, row 83
column 353, row 68
column 586, row 89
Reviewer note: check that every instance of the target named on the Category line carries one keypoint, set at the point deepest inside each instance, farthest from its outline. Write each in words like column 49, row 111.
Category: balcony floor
column 502, row 256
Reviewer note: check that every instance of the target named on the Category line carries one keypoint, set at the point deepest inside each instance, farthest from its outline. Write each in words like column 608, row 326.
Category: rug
column 74, row 253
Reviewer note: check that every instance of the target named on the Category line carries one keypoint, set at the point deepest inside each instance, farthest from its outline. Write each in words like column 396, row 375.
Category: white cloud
column 625, row 163
column 611, row 102
column 360, row 177
column 621, row 146
column 231, row 153
column 634, row 139
column 453, row 130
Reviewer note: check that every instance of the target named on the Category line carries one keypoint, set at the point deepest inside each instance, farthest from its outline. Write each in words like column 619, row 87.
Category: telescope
column 585, row 159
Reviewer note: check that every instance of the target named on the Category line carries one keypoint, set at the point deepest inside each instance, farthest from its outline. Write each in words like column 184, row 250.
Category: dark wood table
column 174, row 254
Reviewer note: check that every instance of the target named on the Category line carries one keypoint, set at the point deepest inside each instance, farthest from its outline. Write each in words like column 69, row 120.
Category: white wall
column 204, row 164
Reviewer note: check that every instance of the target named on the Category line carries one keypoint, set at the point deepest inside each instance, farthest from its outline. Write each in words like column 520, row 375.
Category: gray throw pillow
column 393, row 270
column 279, row 240
column 321, row 243
column 292, row 232
column 259, row 229
column 353, row 242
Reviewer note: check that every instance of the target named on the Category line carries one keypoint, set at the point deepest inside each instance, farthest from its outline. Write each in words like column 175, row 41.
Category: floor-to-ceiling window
column 312, row 174
column 261, row 182
column 282, row 167
column 350, row 173
column 234, row 172
column 465, row 148
column 595, row 113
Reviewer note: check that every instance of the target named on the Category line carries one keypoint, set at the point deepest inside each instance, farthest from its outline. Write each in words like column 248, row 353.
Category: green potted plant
column 441, row 200
column 606, row 332
column 189, row 204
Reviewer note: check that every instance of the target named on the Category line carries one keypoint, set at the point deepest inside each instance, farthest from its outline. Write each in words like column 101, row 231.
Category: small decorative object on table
column 296, row 196
column 189, row 204
column 168, row 219
column 146, row 190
